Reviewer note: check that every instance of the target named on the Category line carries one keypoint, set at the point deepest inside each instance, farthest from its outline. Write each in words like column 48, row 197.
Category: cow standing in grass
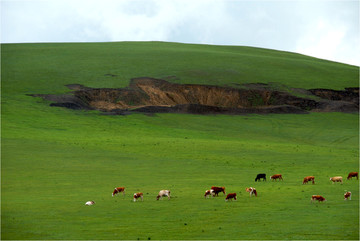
column 347, row 196
column 218, row 189
column 118, row 190
column 163, row 193
column 276, row 177
column 209, row 193
column 260, row 176
column 309, row 178
column 251, row 191
column 318, row 198
column 137, row 196
column 336, row 179
column 353, row 174
column 230, row 196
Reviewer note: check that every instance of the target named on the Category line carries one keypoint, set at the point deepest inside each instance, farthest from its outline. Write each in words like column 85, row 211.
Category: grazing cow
column 252, row 191
column 231, row 196
column 353, row 174
column 138, row 195
column 261, row 175
column 163, row 193
column 318, row 198
column 118, row 190
column 89, row 203
column 209, row 193
column 276, row 176
column 347, row 196
column 336, row 179
column 217, row 190
column 309, row 178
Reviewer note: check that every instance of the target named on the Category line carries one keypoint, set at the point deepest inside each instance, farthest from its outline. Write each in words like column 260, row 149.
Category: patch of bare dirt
column 150, row 95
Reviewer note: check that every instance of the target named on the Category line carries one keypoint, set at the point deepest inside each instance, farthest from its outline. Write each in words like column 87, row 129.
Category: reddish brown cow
column 231, row 196
column 276, row 176
column 318, row 198
column 309, row 178
column 138, row 195
column 118, row 190
column 347, row 196
column 353, row 174
column 218, row 189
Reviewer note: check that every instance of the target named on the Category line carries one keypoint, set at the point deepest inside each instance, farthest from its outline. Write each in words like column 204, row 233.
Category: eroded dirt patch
column 151, row 95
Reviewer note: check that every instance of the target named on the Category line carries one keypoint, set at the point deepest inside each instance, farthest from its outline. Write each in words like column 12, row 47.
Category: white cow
column 163, row 193
column 336, row 179
column 89, row 203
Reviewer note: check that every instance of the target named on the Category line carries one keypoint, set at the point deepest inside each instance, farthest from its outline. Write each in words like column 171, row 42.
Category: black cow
column 261, row 175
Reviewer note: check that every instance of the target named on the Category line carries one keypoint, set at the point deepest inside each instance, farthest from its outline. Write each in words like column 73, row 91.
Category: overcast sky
column 325, row 29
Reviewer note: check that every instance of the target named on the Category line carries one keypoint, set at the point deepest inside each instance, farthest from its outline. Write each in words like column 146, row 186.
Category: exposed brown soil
column 159, row 96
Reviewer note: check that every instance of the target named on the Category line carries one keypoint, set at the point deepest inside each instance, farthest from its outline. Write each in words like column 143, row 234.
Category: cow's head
column 114, row 192
column 157, row 197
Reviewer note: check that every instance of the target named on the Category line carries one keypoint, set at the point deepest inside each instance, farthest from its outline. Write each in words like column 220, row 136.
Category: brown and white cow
column 276, row 176
column 347, row 196
column 252, row 191
column 209, row 193
column 353, row 174
column 89, row 203
column 336, row 179
column 138, row 195
column 318, row 198
column 163, row 193
column 231, row 196
column 309, row 178
column 217, row 190
column 118, row 190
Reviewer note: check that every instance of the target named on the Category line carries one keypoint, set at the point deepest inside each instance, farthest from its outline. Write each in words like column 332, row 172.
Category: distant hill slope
column 47, row 67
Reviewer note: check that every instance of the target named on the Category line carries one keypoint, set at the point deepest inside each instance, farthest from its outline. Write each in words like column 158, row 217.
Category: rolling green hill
column 53, row 160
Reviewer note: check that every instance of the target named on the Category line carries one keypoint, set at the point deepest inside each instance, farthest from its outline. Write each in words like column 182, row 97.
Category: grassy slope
column 54, row 159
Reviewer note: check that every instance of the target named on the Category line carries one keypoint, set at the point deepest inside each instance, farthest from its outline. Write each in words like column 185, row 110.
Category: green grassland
column 53, row 160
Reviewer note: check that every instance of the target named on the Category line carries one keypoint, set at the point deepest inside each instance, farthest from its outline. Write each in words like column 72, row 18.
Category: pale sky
column 326, row 29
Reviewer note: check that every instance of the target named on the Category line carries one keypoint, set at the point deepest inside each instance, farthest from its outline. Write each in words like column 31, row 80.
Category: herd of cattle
column 214, row 191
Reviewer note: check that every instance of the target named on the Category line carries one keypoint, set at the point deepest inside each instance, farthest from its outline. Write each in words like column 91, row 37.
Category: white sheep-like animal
column 163, row 193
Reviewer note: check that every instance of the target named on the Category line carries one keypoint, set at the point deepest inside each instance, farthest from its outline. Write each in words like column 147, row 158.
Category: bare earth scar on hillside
column 149, row 95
